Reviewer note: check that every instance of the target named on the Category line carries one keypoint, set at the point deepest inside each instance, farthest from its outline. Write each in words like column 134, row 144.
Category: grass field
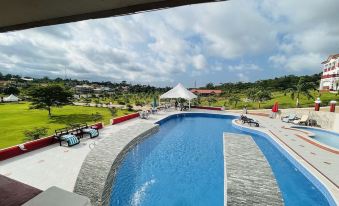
column 284, row 101
column 16, row 118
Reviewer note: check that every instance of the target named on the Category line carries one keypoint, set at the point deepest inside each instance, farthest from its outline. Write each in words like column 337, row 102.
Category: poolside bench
column 64, row 135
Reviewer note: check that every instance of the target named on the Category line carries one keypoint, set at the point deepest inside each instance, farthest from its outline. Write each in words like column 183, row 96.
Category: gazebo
column 179, row 91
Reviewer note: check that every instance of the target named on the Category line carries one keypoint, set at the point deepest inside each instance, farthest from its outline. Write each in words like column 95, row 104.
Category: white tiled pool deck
column 59, row 166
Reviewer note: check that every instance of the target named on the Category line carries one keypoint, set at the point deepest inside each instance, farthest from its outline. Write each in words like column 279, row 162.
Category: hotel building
column 330, row 77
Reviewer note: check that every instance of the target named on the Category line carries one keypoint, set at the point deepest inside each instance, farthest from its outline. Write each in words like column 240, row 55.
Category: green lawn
column 16, row 118
column 284, row 101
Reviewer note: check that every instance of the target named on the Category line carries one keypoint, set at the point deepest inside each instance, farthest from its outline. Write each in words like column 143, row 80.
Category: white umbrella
column 179, row 91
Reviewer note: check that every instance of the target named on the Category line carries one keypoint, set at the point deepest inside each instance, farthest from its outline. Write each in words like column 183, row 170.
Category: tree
column 211, row 100
column 262, row 95
column 49, row 96
column 210, row 85
column 234, row 99
column 251, row 93
column 302, row 88
column 11, row 90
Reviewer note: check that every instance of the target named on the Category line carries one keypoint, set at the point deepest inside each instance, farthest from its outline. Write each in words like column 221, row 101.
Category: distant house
column 330, row 77
column 83, row 89
column 206, row 92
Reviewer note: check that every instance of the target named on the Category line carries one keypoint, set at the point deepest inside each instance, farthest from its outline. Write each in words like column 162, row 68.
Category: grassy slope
column 284, row 101
column 16, row 118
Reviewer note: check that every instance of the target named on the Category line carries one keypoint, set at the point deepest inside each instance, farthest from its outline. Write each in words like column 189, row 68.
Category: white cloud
column 242, row 77
column 244, row 67
column 192, row 41
column 199, row 62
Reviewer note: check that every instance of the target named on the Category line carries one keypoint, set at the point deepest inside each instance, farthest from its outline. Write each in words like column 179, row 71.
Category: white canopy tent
column 11, row 98
column 179, row 91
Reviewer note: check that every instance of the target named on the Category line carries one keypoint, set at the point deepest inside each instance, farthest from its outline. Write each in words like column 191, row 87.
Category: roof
column 178, row 91
column 335, row 56
column 206, row 91
column 17, row 15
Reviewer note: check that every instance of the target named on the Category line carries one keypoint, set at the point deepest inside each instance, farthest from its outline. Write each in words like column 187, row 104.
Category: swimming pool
column 182, row 164
column 325, row 137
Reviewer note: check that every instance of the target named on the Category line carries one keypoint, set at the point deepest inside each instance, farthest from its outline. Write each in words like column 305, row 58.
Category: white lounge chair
column 302, row 120
column 289, row 118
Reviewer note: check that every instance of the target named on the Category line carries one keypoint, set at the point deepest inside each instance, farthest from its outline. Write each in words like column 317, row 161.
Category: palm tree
column 234, row 99
column 262, row 95
column 337, row 85
column 302, row 88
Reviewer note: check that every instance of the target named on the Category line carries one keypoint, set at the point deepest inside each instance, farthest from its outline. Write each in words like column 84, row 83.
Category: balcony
column 329, row 76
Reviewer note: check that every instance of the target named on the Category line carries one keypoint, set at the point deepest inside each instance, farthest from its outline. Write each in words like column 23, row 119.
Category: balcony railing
column 329, row 76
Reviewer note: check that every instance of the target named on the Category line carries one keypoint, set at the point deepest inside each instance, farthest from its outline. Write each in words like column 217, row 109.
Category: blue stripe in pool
column 182, row 164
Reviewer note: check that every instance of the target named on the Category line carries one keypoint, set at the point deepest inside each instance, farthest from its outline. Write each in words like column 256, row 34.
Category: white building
column 330, row 77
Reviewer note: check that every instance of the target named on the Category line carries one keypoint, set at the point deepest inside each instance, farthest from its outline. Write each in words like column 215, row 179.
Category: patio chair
column 144, row 114
column 289, row 118
column 64, row 135
column 302, row 120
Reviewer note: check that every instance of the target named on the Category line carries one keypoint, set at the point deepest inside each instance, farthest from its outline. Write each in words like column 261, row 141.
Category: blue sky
column 237, row 40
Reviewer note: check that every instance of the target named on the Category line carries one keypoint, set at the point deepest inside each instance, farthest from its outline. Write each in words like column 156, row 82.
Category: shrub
column 36, row 133
column 113, row 111
column 121, row 102
column 138, row 103
column 129, row 107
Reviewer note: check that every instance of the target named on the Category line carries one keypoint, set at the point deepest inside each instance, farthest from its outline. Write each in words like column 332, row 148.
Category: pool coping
column 306, row 168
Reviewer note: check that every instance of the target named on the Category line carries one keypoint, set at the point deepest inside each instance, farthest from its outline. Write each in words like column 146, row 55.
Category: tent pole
column 189, row 105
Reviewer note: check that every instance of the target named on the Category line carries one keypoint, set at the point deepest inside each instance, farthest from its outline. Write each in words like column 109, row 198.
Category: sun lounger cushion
column 92, row 132
column 70, row 139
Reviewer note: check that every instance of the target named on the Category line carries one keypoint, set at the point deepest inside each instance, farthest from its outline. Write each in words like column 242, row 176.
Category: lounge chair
column 289, row 118
column 64, row 135
column 144, row 114
column 249, row 121
column 302, row 120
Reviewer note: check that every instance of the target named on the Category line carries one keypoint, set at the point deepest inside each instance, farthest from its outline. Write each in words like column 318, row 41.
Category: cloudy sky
column 238, row 40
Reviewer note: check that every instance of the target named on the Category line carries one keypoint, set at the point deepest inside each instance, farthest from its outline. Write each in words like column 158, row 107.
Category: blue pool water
column 182, row 164
column 325, row 137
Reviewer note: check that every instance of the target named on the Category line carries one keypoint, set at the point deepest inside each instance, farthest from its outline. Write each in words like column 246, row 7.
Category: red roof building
column 206, row 91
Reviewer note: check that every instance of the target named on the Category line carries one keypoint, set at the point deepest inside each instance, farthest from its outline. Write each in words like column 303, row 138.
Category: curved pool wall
column 319, row 135
column 137, row 179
